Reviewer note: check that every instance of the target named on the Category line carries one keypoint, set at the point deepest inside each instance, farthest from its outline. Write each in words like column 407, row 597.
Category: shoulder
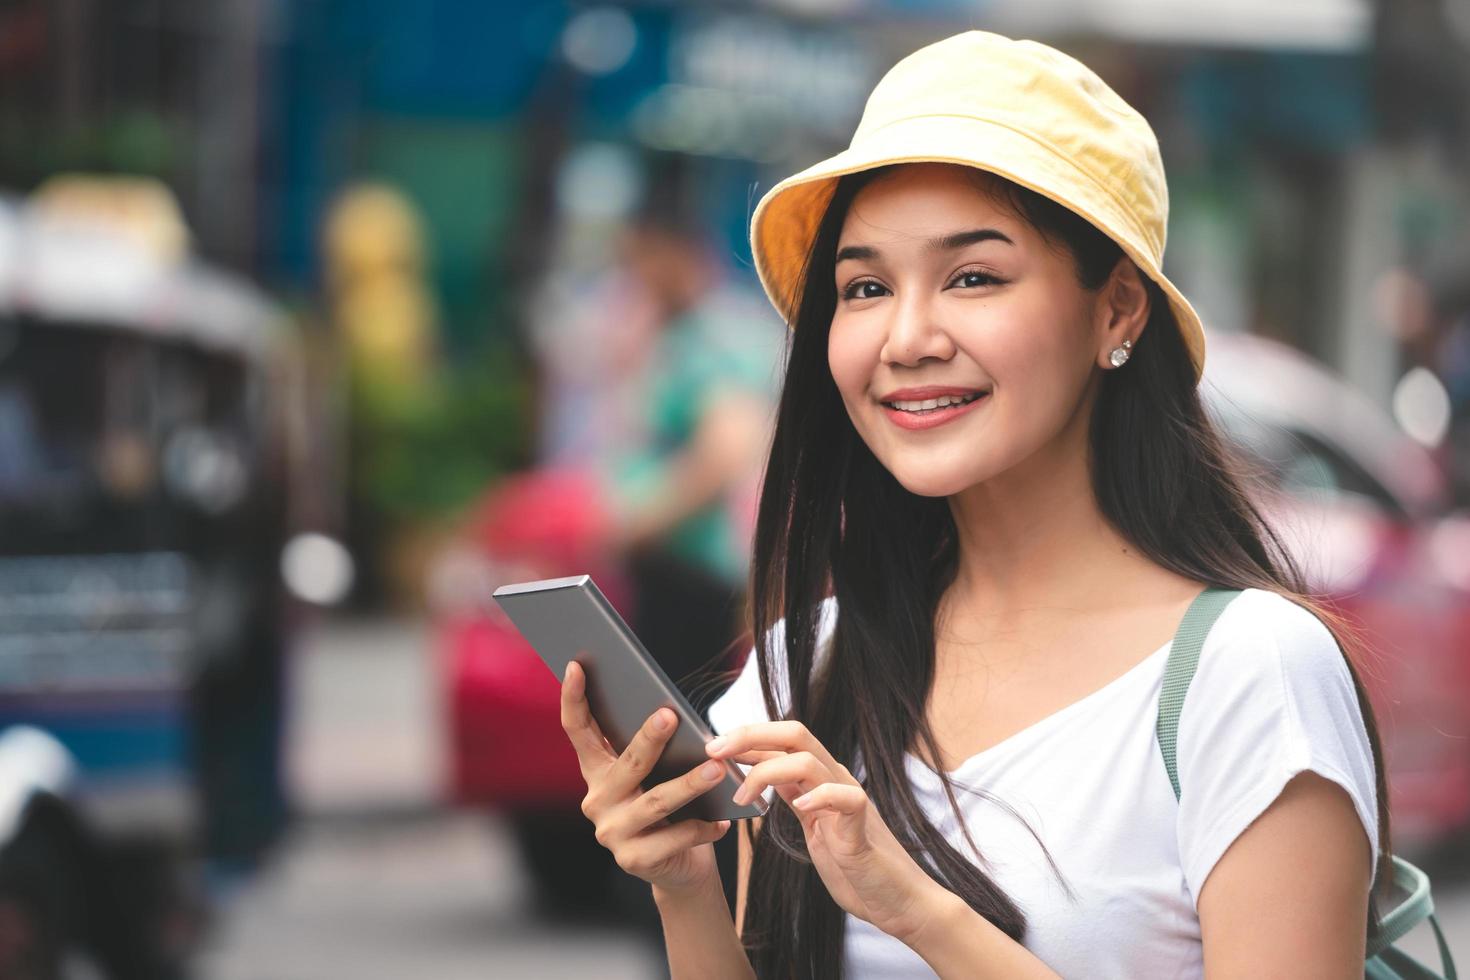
column 826, row 616
column 742, row 702
column 827, row 620
column 1273, row 696
column 1267, row 639
column 1268, row 655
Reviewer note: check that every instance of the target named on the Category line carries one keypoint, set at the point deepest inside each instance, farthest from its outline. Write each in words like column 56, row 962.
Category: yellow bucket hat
column 1019, row 109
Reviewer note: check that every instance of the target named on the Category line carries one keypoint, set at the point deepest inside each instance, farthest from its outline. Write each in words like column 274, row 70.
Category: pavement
column 435, row 896
column 378, row 879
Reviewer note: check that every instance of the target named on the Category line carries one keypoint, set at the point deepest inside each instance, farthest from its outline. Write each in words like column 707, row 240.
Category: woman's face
column 995, row 309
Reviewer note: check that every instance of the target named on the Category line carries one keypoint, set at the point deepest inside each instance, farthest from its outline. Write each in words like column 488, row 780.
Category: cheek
column 1033, row 345
column 851, row 359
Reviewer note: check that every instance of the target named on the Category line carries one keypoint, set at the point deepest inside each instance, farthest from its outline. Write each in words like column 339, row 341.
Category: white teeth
column 930, row 403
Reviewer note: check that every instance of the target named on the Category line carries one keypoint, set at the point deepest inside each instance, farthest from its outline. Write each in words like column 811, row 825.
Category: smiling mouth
column 932, row 406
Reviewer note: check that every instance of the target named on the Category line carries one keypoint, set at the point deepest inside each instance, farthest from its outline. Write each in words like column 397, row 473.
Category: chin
column 938, row 471
column 927, row 483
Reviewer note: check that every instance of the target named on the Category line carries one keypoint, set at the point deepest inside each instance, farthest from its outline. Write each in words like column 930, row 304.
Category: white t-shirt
column 1271, row 698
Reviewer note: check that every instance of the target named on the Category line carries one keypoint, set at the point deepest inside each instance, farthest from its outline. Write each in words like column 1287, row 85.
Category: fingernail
column 802, row 801
column 711, row 771
column 715, row 744
column 661, row 721
column 739, row 797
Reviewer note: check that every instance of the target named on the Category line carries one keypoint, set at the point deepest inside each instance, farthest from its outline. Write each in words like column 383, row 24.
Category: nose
column 914, row 334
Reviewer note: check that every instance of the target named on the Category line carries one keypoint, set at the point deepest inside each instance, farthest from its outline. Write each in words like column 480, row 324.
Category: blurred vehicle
column 43, row 891
column 145, row 504
column 69, row 907
column 508, row 751
column 1369, row 514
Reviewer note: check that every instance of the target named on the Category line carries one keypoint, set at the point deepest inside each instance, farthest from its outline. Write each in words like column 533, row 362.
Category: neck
column 1033, row 543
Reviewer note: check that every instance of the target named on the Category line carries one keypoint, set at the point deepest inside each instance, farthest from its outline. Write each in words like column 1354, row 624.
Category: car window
column 1300, row 463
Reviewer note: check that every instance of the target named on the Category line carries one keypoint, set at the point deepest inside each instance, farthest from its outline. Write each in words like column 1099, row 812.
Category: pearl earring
column 1119, row 356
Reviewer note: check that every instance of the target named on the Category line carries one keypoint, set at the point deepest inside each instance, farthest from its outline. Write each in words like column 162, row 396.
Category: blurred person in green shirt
column 683, row 500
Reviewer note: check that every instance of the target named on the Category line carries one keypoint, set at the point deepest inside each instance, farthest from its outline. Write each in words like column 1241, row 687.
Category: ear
column 1122, row 309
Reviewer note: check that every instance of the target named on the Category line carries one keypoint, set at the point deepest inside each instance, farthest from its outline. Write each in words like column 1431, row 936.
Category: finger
column 790, row 792
column 665, row 798
column 785, row 736
column 593, row 751
column 848, row 803
column 644, row 856
column 833, row 796
column 643, row 751
column 801, row 769
column 752, row 758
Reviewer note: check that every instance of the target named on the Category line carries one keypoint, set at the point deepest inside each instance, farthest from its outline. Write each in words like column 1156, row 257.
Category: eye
column 857, row 284
column 976, row 278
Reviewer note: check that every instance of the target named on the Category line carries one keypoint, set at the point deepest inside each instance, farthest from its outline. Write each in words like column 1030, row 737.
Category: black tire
column 67, row 896
column 571, row 873
column 576, row 877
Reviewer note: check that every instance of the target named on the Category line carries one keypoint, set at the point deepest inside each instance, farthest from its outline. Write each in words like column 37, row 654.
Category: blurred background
column 320, row 320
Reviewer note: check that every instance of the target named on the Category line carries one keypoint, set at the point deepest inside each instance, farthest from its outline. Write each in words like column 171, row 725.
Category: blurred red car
column 1369, row 512
column 1362, row 506
column 508, row 750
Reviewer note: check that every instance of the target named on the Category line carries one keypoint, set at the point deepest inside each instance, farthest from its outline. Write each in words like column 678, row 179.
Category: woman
column 973, row 604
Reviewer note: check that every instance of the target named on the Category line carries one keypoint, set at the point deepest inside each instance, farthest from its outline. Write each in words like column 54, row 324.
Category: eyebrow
column 944, row 243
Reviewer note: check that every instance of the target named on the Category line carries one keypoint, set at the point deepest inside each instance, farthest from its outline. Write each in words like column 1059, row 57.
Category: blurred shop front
column 1300, row 140
column 1310, row 148
column 524, row 132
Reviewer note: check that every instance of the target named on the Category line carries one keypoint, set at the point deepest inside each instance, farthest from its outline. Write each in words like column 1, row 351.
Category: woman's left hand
column 863, row 865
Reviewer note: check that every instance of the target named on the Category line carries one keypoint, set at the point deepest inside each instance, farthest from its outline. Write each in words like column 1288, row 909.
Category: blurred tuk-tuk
column 146, row 480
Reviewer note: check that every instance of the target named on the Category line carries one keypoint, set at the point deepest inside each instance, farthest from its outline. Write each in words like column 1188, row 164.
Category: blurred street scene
column 377, row 878
column 320, row 320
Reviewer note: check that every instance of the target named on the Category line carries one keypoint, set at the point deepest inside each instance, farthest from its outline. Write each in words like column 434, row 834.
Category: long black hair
column 830, row 513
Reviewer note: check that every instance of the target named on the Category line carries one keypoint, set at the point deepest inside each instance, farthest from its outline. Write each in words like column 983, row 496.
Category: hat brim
column 785, row 220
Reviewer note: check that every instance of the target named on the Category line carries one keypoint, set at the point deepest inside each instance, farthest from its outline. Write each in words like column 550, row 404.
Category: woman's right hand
column 630, row 822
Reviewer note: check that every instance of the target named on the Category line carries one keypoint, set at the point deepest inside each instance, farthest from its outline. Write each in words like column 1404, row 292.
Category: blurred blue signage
column 753, row 87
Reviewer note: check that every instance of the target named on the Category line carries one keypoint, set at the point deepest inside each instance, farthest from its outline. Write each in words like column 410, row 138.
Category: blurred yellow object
column 141, row 209
column 373, row 230
column 1019, row 109
column 375, row 256
column 385, row 321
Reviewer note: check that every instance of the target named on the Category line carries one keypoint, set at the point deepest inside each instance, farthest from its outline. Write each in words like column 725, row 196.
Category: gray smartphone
column 568, row 619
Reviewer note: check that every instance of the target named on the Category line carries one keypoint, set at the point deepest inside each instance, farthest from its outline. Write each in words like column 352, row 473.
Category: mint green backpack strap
column 1179, row 671
column 1383, row 961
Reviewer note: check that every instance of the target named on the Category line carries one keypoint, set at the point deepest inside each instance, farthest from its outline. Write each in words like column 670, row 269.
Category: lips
column 934, row 417
column 928, row 391
column 933, row 403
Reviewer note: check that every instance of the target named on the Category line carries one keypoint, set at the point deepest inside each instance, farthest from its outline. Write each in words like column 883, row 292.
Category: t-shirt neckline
column 918, row 769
